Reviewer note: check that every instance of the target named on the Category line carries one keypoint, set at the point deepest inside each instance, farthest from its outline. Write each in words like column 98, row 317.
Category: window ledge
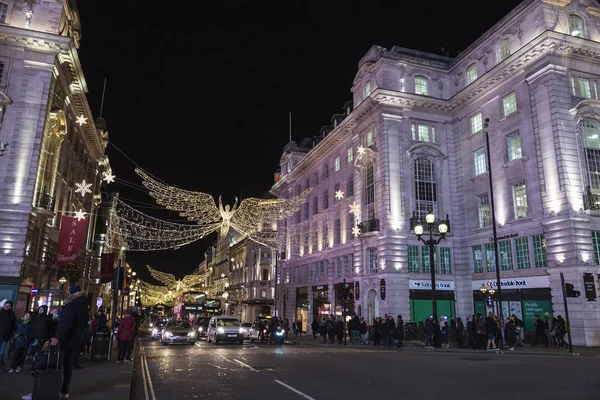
column 522, row 159
column 501, row 120
column 479, row 176
column 524, row 219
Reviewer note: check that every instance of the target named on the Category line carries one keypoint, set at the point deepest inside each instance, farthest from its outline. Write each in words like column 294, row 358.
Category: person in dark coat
column 69, row 334
column 400, row 330
column 539, row 332
column 315, row 328
column 21, row 343
column 40, row 329
column 125, row 336
column 7, row 327
column 101, row 320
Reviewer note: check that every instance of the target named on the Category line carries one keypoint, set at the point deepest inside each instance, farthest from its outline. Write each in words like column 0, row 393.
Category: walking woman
column 125, row 334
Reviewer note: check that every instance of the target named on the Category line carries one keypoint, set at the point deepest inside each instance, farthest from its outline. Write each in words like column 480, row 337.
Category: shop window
column 477, row 259
column 425, row 259
column 513, row 146
column 490, row 258
column 476, row 123
column 539, row 252
column 372, row 260
column 519, row 192
column 413, row 258
column 522, row 253
column 445, row 260
column 596, row 245
column 479, row 161
column 505, row 253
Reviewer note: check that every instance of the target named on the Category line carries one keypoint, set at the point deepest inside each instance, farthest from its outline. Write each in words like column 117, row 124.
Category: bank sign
column 516, row 283
column 426, row 285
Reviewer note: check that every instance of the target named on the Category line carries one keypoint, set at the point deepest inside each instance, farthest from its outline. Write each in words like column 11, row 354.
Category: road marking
column 150, row 385
column 294, row 390
column 144, row 378
column 245, row 365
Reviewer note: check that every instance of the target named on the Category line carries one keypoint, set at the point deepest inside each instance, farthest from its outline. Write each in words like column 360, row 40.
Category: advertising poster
column 531, row 308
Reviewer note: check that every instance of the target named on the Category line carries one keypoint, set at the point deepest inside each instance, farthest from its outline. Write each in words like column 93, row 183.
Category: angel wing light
column 254, row 218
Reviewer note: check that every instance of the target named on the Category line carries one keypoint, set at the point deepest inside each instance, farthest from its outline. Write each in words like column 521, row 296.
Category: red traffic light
column 570, row 290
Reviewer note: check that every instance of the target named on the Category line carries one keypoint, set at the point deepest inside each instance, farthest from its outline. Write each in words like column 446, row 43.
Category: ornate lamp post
column 62, row 282
column 442, row 228
column 490, row 292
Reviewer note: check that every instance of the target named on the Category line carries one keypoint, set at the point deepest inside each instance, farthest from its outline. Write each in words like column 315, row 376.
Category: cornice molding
column 33, row 40
column 560, row 3
column 593, row 11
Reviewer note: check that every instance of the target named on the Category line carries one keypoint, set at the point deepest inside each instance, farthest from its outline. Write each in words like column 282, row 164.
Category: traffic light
column 570, row 290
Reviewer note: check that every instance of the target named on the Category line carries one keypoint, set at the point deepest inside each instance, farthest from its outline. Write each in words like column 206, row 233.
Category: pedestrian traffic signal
column 571, row 292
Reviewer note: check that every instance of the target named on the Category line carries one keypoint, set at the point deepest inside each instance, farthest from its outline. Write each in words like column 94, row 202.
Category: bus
column 189, row 306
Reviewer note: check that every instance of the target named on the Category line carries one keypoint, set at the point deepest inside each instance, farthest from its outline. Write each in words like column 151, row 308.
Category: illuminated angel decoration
column 171, row 283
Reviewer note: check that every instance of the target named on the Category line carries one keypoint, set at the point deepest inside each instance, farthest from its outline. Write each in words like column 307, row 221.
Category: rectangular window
column 336, row 164
column 337, row 268
column 426, row 265
column 413, row 258
column 316, row 178
column 372, row 260
column 369, row 140
column 513, row 146
column 325, row 200
column 346, row 265
column 483, row 211
column 315, row 205
column 325, row 171
column 350, row 154
column 325, row 236
column 539, row 252
column 350, row 221
column 477, row 259
column 423, row 132
column 306, row 211
column 476, row 123
column 421, row 86
column 337, row 232
column 3, row 12
column 581, row 88
column 504, row 50
column 509, row 104
column 336, row 190
column 505, row 253
column 1, row 68
column 350, row 186
column 305, row 242
column 307, row 183
column 519, row 192
column 490, row 258
column 480, row 162
column 315, row 241
column 522, row 252
column 367, row 91
column 471, row 74
column 595, row 244
column 445, row 260
column 298, row 217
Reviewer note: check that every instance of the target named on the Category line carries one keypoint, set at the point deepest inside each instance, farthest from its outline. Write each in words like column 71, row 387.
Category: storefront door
column 372, row 306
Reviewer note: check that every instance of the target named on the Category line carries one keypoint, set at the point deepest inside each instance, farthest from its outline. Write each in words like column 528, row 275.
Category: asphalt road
column 291, row 372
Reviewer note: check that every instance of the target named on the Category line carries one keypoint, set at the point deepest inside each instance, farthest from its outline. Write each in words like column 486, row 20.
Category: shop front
column 321, row 303
column 523, row 297
column 302, row 307
column 421, row 301
column 340, row 303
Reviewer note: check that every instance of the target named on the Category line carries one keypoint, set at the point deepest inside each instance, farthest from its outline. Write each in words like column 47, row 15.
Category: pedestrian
column 390, row 330
column 510, row 333
column 491, row 326
column 314, row 326
column 40, row 330
column 460, row 332
column 429, row 331
column 69, row 333
column 125, row 335
column 364, row 331
column 101, row 320
column 444, row 332
column 400, row 330
column 539, row 331
column 377, row 331
column 7, row 327
column 21, row 343
column 519, row 330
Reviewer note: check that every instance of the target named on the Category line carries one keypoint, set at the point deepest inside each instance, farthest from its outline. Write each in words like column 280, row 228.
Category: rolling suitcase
column 47, row 378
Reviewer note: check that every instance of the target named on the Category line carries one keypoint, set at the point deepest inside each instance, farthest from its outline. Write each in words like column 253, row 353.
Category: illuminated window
column 505, row 253
column 369, row 199
column 483, row 210
column 539, row 252
column 471, row 74
column 590, row 130
column 503, row 50
column 479, row 160
column 336, row 188
column 336, row 164
column 3, row 12
column 519, row 192
column 372, row 260
column 350, row 154
column 522, row 252
column 477, row 259
column 421, row 86
column 576, row 26
column 595, row 245
column 581, row 88
column 425, row 188
column 476, row 123
column 425, row 259
column 490, row 258
column 509, row 104
column 369, row 140
column 423, row 132
column 445, row 260
column 513, row 146
column 367, row 90
column 413, row 258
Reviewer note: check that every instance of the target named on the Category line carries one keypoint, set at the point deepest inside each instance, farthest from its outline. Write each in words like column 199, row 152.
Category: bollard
column 100, row 344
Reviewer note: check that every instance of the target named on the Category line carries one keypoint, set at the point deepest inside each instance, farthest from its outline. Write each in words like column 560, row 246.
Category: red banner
column 72, row 232
column 107, row 267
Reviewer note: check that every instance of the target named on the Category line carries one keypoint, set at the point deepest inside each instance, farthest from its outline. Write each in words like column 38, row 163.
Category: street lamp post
column 62, row 282
column 484, row 290
column 442, row 228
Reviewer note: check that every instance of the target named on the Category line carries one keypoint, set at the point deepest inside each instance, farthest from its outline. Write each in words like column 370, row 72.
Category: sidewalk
column 97, row 380
column 307, row 340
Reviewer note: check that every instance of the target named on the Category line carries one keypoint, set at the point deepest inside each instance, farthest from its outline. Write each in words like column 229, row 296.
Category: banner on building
column 72, row 232
column 107, row 266
column 382, row 289
column 589, row 286
column 356, row 290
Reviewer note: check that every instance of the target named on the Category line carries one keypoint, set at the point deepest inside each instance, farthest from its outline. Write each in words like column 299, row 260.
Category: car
column 178, row 332
column 247, row 326
column 157, row 329
column 225, row 329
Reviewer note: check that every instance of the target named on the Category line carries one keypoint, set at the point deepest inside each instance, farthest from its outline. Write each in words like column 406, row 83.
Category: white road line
column 150, row 385
column 144, row 378
column 245, row 365
column 294, row 390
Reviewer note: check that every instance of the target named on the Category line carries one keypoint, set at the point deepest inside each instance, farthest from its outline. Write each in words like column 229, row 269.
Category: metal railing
column 46, row 202
column 371, row 225
column 591, row 201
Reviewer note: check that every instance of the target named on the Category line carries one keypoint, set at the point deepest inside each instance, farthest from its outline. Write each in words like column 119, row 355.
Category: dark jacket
column 7, row 324
column 21, row 333
column 126, row 329
column 400, row 329
column 40, row 327
column 74, row 319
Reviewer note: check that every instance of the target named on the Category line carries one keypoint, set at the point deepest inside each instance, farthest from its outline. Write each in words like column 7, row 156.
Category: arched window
column 3, row 12
column 590, row 130
column 471, row 74
column 575, row 26
column 421, row 86
column 425, row 188
column 367, row 90
column 503, row 50
column 369, row 199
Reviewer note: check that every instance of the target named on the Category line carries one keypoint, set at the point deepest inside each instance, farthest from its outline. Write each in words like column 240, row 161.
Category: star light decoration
column 81, row 120
column 361, row 150
column 356, row 231
column 354, row 209
column 80, row 214
column 339, row 195
column 83, row 187
column 108, row 178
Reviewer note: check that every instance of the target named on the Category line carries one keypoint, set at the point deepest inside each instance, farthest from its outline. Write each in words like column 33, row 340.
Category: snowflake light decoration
column 354, row 208
column 339, row 195
column 80, row 214
column 360, row 150
column 108, row 178
column 83, row 187
column 81, row 120
column 356, row 231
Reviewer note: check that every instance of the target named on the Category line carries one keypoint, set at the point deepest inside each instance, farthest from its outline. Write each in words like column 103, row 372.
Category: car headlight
column 265, row 331
column 154, row 331
column 220, row 330
column 168, row 334
column 279, row 333
column 200, row 329
column 151, row 324
column 192, row 334
column 242, row 330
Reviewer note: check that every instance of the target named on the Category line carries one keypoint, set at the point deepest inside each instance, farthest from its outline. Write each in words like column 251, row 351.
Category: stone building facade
column 414, row 141
column 49, row 140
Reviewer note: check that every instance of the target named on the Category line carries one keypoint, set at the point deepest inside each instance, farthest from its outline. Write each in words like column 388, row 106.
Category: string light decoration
column 171, row 283
column 83, row 188
column 108, row 178
column 81, row 120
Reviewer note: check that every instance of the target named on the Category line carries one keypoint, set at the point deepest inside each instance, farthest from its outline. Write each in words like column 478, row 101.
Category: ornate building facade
column 415, row 142
column 49, row 144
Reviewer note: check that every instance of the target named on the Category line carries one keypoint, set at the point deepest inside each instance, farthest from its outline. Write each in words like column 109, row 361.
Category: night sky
column 198, row 92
